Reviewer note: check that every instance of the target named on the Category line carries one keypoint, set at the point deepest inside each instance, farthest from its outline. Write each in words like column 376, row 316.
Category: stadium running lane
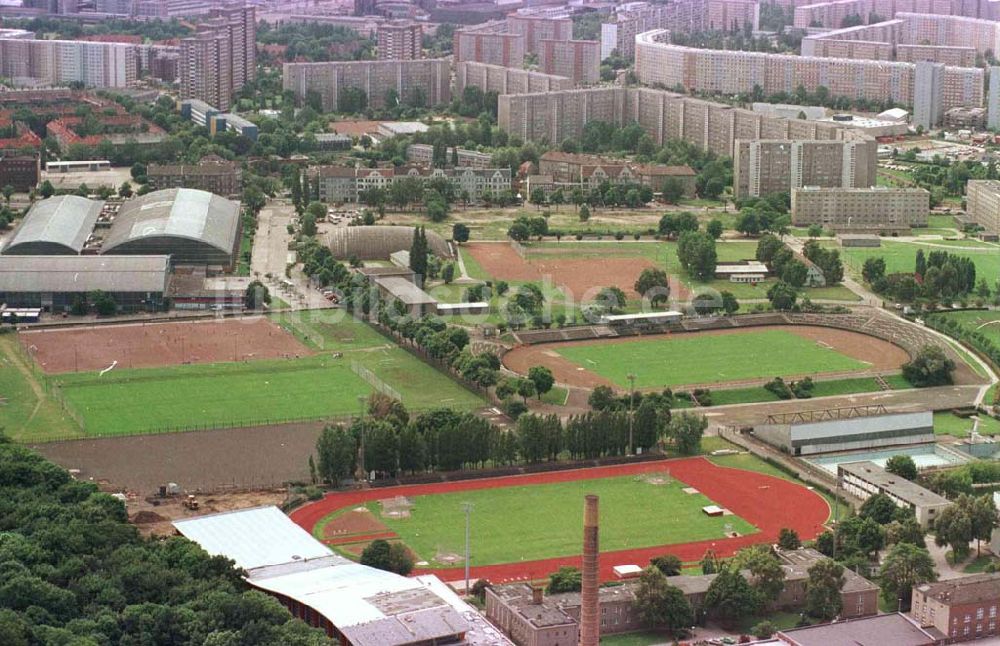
column 767, row 502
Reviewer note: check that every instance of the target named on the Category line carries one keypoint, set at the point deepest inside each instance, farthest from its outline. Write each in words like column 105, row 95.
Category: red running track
column 767, row 502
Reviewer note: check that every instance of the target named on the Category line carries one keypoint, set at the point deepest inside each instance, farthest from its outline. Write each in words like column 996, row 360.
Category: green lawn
column 699, row 359
column 985, row 322
column 946, row 423
column 557, row 396
column 749, row 395
column 230, row 394
column 27, row 412
column 644, row 638
column 978, row 564
column 901, row 257
column 533, row 522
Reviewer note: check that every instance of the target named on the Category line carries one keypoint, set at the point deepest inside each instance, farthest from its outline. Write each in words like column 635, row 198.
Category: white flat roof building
column 357, row 604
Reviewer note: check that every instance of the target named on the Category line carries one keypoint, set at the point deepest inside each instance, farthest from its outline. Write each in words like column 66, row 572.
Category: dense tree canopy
column 77, row 573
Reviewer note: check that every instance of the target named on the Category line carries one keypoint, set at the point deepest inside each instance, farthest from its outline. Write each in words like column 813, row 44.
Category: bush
column 514, row 408
column 703, row 395
column 779, row 388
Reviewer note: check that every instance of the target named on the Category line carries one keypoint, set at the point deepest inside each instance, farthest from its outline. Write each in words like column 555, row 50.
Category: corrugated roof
column 253, row 537
column 66, row 220
column 28, row 274
column 839, row 429
column 176, row 212
column 405, row 291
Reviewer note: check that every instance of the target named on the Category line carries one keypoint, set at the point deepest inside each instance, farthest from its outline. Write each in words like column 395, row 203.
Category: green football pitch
column 533, row 522
column 708, row 358
column 187, row 397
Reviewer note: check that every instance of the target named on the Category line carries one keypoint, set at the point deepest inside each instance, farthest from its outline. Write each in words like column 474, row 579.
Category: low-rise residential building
column 590, row 171
column 982, row 197
column 212, row 174
column 896, row 629
column 961, row 609
column 860, row 209
column 339, row 184
column 866, row 479
column 424, row 154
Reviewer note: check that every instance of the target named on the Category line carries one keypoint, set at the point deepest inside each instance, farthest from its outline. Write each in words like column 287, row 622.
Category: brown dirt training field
column 882, row 355
column 579, row 278
column 138, row 345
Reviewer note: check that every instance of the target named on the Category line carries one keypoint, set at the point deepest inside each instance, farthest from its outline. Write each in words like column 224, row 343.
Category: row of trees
column 938, row 275
column 445, row 440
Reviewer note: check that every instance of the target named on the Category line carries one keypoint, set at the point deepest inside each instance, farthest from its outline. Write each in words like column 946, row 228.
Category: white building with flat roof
column 355, row 604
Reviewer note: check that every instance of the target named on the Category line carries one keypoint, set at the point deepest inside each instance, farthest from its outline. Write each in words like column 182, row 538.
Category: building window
column 979, row 613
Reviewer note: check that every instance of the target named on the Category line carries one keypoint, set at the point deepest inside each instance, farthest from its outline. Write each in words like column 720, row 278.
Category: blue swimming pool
column 924, row 455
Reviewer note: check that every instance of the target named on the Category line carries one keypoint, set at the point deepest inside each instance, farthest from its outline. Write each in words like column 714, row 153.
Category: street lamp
column 467, row 508
column 631, row 397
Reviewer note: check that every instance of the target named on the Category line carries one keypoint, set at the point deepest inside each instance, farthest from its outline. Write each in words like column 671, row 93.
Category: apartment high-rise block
column 982, row 198
column 506, row 80
column 657, row 61
column 537, row 29
column 928, row 94
column 491, row 43
column 61, row 62
column 993, row 101
column 400, row 40
column 860, row 209
column 426, row 81
column 579, row 60
column 219, row 60
column 771, row 154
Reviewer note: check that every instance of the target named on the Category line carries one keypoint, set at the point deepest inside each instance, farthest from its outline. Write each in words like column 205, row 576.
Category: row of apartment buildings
column 506, row 80
column 831, row 14
column 658, row 62
column 770, row 154
column 910, row 37
column 630, row 19
column 340, row 184
column 982, row 198
column 61, row 62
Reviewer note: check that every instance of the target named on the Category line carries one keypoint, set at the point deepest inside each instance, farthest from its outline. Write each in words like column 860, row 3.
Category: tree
column 418, row 253
column 565, row 579
column 668, row 564
column 729, row 303
column 873, row 270
column 124, row 191
column 542, row 378
column 730, row 598
column 652, row 284
column 612, row 298
column 103, row 302
column 391, row 557
column 518, row 232
column 686, row 429
column 788, row 539
column 905, row 566
column 661, row 605
column 47, row 190
column 766, row 573
column 602, row 398
column 709, row 563
column 460, row 232
column 879, row 508
column 584, row 213
column 763, row 630
column 672, row 190
column 795, row 273
column 696, row 252
column 905, row 530
column 782, row 296
column 714, row 228
column 823, row 600
column 814, row 230
column 337, row 452
column 931, row 367
column 902, row 466
column 256, row 296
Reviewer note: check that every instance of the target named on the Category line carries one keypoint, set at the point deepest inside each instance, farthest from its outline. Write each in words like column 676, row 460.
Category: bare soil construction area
column 580, row 278
column 149, row 345
column 882, row 355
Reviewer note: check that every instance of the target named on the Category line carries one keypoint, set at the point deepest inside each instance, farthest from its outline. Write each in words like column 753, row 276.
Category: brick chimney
column 536, row 594
column 590, row 616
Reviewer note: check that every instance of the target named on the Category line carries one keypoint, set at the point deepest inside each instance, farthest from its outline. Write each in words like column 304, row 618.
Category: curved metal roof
column 176, row 213
column 66, row 220
column 378, row 242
